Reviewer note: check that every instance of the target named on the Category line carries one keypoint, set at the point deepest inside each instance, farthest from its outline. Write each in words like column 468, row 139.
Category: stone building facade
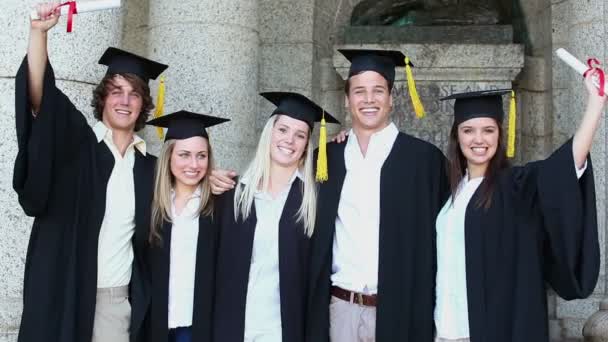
column 223, row 53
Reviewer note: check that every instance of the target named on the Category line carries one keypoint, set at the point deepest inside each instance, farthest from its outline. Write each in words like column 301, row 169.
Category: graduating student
column 265, row 228
column 89, row 191
column 507, row 231
column 183, row 235
column 373, row 252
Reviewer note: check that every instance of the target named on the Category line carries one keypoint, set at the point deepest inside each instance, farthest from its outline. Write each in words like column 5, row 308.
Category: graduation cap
column 184, row 124
column 298, row 107
column 486, row 104
column 121, row 61
column 384, row 62
column 302, row 108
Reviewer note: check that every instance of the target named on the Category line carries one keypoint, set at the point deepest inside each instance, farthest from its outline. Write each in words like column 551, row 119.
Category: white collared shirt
column 451, row 306
column 263, row 307
column 115, row 249
column 356, row 242
column 451, row 310
column 182, row 261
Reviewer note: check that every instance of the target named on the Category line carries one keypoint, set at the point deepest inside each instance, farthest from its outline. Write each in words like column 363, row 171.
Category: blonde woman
column 183, row 236
column 265, row 227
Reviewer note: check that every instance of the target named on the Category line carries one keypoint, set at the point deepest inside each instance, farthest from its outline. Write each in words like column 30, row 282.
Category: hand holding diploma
column 47, row 15
column 599, row 77
column 72, row 7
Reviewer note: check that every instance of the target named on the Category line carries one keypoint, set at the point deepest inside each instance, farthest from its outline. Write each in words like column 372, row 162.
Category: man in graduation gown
column 373, row 252
column 89, row 190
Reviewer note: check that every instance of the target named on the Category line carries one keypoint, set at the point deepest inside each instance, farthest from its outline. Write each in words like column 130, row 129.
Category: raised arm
column 583, row 138
column 37, row 50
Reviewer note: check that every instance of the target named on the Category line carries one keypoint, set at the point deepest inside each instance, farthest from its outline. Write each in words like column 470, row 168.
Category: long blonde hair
column 163, row 184
column 258, row 176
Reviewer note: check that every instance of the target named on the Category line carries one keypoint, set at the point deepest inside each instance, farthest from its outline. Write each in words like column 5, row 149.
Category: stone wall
column 579, row 27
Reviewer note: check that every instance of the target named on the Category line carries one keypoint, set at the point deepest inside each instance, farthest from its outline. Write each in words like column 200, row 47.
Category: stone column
column 580, row 27
column 212, row 51
column 74, row 57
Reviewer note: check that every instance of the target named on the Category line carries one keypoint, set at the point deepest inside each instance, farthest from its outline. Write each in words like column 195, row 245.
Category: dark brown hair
column 347, row 85
column 457, row 164
column 107, row 84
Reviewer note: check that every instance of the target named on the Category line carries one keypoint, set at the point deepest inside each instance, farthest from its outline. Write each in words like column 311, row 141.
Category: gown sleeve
column 567, row 205
column 45, row 142
column 568, row 216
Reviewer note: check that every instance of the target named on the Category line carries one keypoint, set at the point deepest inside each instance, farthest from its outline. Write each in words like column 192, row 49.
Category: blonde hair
column 258, row 176
column 163, row 184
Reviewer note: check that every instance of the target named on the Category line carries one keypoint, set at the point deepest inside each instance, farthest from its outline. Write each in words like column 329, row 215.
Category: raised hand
column 49, row 13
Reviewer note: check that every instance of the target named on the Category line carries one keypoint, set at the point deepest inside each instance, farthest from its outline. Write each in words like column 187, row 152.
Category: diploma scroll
column 576, row 64
column 85, row 6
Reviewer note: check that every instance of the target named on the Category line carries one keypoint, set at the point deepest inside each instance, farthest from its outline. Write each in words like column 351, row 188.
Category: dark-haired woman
column 506, row 231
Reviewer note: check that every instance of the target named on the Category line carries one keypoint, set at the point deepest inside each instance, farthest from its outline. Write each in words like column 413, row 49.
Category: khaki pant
column 350, row 322
column 112, row 315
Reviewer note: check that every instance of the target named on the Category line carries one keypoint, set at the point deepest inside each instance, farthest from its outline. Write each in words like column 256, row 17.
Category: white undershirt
column 115, row 249
column 356, row 241
column 182, row 261
column 451, row 307
column 263, row 306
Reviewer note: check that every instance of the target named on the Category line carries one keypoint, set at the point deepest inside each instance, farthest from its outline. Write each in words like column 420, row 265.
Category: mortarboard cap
column 485, row 104
column 121, row 61
column 184, row 124
column 298, row 107
column 478, row 104
column 383, row 62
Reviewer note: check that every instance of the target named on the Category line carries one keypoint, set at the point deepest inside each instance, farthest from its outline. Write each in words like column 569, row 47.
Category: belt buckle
column 360, row 297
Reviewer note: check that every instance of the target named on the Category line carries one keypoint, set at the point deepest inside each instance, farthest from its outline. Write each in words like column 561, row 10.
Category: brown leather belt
column 354, row 297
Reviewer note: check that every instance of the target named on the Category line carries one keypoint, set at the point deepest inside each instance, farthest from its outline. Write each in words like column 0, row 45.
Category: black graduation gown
column 540, row 227
column 159, row 258
column 234, row 260
column 60, row 176
column 413, row 187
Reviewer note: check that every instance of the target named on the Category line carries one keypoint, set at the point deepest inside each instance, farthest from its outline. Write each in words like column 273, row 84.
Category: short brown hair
column 347, row 86
column 107, row 83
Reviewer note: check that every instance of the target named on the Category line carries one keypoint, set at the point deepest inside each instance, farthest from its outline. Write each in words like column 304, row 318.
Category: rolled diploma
column 575, row 64
column 85, row 6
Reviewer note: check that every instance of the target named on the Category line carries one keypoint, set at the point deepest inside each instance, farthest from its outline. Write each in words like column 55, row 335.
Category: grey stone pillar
column 580, row 27
column 74, row 57
column 212, row 50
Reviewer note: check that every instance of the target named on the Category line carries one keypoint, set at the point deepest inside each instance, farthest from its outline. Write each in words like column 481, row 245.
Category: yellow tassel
column 512, row 124
column 411, row 86
column 160, row 106
column 322, row 174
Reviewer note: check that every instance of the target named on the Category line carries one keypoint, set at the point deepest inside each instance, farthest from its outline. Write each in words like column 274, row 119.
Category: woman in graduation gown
column 265, row 225
column 506, row 231
column 181, row 248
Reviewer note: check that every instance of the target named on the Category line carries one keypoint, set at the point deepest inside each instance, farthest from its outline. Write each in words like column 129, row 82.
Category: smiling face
column 189, row 161
column 369, row 100
column 122, row 105
column 288, row 141
column 478, row 141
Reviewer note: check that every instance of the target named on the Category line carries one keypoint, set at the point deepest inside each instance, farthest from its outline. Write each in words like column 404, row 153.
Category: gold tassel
column 512, row 124
column 322, row 174
column 411, row 86
column 160, row 106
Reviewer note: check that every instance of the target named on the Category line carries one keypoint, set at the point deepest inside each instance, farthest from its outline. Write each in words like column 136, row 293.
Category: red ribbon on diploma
column 71, row 11
column 600, row 72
